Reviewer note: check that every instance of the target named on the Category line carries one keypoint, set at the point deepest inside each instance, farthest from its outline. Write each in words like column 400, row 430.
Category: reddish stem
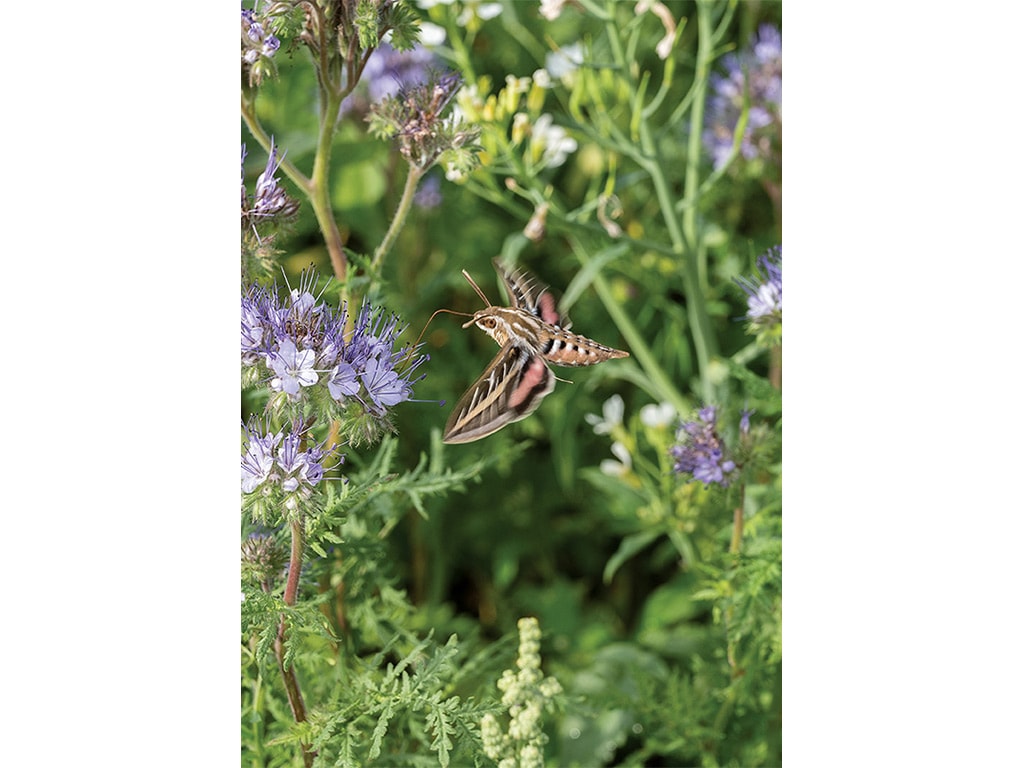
column 291, row 590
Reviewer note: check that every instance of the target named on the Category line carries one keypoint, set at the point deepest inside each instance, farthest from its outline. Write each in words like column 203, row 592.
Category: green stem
column 252, row 122
column 319, row 188
column 703, row 338
column 398, row 220
column 684, row 235
column 637, row 345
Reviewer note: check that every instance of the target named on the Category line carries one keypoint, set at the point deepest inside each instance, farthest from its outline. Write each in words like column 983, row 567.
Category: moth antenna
column 476, row 288
column 449, row 311
column 564, row 381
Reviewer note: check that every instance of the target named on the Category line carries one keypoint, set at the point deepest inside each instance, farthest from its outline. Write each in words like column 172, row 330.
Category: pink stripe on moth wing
column 532, row 377
column 546, row 305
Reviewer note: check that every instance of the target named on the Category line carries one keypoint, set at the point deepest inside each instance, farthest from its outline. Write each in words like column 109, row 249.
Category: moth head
column 489, row 323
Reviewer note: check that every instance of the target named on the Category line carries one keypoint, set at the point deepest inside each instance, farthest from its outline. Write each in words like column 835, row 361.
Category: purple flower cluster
column 701, row 452
column 415, row 117
column 255, row 41
column 755, row 73
column 300, row 343
column 275, row 458
column 387, row 71
column 764, row 290
column 280, row 469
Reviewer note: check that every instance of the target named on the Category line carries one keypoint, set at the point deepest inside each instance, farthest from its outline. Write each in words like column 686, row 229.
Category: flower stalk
column 412, row 181
column 319, row 186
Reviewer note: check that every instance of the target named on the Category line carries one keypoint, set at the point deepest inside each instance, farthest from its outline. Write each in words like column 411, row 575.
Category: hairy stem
column 256, row 128
column 398, row 220
column 291, row 682
column 319, row 188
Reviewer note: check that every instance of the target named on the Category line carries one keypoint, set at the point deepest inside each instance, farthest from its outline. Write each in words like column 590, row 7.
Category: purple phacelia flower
column 258, row 461
column 764, row 291
column 701, row 452
column 429, row 193
column 280, row 470
column 293, row 368
column 755, row 73
column 269, row 200
column 256, row 42
column 300, row 342
column 387, row 71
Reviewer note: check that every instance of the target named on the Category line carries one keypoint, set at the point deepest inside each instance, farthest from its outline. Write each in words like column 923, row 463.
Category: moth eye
column 488, row 322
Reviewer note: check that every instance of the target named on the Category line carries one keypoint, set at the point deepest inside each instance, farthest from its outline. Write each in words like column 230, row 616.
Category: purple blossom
column 429, row 194
column 280, row 466
column 755, row 73
column 343, row 381
column 257, row 325
column 258, row 461
column 388, row 71
column 301, row 342
column 294, row 369
column 745, row 422
column 269, row 199
column 415, row 117
column 383, row 384
column 292, row 462
column 384, row 374
column 764, row 290
column 701, row 452
column 255, row 41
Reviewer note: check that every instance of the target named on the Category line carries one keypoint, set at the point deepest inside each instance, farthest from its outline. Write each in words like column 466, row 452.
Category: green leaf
column 585, row 276
column 381, row 728
column 439, row 721
column 629, row 546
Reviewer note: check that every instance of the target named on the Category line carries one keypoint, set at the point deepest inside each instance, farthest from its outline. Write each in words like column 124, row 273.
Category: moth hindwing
column 531, row 334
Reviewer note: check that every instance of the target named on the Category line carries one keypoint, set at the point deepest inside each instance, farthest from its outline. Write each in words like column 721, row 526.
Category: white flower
column 564, row 61
column 551, row 9
column 618, row 468
column 555, row 141
column 656, row 416
column 517, row 84
column 482, row 11
column 611, row 416
column 454, row 174
column 432, row 34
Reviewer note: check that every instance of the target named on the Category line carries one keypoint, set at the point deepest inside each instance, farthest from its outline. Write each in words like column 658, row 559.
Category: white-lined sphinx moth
column 531, row 334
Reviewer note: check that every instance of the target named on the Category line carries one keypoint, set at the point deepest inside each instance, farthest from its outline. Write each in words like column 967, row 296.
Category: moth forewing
column 509, row 389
